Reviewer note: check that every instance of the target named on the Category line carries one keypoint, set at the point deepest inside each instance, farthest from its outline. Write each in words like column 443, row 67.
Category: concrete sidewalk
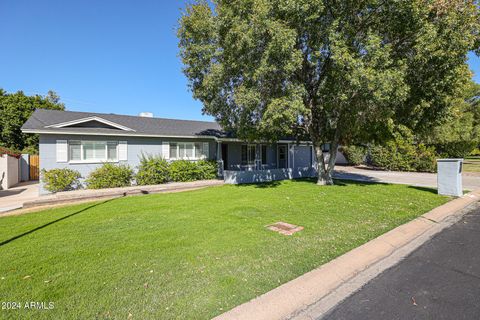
column 471, row 181
column 15, row 197
column 319, row 290
column 439, row 280
column 77, row 196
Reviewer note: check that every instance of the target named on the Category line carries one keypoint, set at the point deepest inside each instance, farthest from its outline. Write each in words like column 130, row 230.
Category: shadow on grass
column 52, row 222
column 337, row 182
column 426, row 189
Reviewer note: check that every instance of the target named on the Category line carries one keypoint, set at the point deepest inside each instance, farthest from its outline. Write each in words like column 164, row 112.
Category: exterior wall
column 135, row 147
column 258, row 176
column 9, row 171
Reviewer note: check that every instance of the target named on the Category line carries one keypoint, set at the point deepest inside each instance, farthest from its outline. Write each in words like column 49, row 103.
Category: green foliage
column 207, row 170
column 15, row 109
column 152, row 170
column 56, row 180
column 401, row 153
column 355, row 155
column 475, row 152
column 336, row 71
column 459, row 134
column 183, row 171
column 30, row 150
column 110, row 176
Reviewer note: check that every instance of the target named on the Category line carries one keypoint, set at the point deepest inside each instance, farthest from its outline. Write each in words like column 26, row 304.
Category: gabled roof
column 70, row 122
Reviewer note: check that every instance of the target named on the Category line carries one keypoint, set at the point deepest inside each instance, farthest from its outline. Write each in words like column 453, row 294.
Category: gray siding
column 135, row 147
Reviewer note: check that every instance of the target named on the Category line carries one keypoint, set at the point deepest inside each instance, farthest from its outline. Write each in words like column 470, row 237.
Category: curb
column 316, row 292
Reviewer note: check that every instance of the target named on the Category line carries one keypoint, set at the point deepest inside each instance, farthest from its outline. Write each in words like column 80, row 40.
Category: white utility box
column 449, row 177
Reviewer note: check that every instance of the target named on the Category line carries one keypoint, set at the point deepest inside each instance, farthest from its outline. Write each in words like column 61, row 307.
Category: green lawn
column 190, row 255
column 471, row 164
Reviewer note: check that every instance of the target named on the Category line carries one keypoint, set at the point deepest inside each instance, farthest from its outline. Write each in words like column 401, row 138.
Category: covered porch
column 240, row 162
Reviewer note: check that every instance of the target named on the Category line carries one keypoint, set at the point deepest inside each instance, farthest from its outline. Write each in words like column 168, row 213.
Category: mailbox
column 449, row 177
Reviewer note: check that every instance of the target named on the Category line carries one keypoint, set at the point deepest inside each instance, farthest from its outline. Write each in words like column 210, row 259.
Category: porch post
column 258, row 156
column 219, row 159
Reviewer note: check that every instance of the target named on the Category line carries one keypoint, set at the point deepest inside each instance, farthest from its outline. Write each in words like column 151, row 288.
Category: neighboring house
column 83, row 141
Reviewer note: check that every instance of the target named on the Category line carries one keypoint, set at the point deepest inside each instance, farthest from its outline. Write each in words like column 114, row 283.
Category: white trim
column 93, row 160
column 61, row 147
column 122, row 151
column 88, row 119
column 124, row 134
column 194, row 149
column 116, row 134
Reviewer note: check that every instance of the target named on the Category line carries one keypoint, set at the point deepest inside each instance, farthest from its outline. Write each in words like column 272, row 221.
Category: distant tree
column 334, row 71
column 460, row 133
column 15, row 109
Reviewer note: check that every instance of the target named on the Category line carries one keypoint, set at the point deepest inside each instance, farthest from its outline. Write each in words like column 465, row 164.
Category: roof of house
column 70, row 122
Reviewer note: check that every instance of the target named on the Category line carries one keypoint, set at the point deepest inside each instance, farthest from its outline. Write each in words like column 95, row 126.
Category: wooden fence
column 34, row 167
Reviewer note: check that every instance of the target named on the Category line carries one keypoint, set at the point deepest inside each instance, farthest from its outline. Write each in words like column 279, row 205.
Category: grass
column 471, row 164
column 190, row 255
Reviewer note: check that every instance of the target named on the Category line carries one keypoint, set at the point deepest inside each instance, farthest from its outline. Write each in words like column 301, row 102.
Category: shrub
column 426, row 159
column 207, row 170
column 355, row 155
column 456, row 149
column 475, row 152
column 184, row 170
column 402, row 154
column 110, row 176
column 152, row 170
column 57, row 180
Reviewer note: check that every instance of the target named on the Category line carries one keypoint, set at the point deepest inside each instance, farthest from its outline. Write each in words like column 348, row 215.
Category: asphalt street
column 439, row 280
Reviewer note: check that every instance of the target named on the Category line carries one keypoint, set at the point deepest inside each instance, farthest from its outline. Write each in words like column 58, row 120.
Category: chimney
column 146, row 114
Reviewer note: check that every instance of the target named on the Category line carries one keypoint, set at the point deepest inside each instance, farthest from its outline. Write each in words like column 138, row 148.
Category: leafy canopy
column 15, row 109
column 330, row 70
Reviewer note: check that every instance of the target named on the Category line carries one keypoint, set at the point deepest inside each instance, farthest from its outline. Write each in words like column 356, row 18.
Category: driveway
column 440, row 280
column 471, row 181
column 14, row 198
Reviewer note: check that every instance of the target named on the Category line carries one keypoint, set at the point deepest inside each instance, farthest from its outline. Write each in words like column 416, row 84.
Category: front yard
column 190, row 255
column 471, row 164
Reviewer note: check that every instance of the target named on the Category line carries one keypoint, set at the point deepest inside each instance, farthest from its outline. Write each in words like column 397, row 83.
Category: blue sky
column 116, row 56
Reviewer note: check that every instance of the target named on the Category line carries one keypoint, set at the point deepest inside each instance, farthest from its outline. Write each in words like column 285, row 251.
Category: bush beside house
column 110, row 176
column 57, row 180
column 152, row 170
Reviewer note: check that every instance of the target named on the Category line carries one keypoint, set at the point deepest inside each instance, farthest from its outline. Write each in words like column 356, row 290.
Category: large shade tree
column 328, row 70
column 15, row 109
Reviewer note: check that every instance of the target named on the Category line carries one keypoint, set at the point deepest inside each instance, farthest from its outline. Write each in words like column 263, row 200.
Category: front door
column 225, row 156
column 282, row 156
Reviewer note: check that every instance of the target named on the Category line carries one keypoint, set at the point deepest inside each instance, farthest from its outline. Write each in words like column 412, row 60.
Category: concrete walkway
column 15, row 197
column 471, row 181
column 440, row 280
column 70, row 197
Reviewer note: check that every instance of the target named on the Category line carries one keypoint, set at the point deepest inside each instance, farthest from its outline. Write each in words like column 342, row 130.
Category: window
column 264, row 154
column 248, row 154
column 93, row 151
column 188, row 150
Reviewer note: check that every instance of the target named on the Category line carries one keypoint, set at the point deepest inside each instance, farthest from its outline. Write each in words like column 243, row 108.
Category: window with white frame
column 188, row 150
column 92, row 151
column 248, row 154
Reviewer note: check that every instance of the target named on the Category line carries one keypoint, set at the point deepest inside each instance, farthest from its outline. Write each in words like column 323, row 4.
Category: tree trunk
column 325, row 170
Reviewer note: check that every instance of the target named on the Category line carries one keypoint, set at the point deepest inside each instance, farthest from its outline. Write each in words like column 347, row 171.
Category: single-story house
column 84, row 140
